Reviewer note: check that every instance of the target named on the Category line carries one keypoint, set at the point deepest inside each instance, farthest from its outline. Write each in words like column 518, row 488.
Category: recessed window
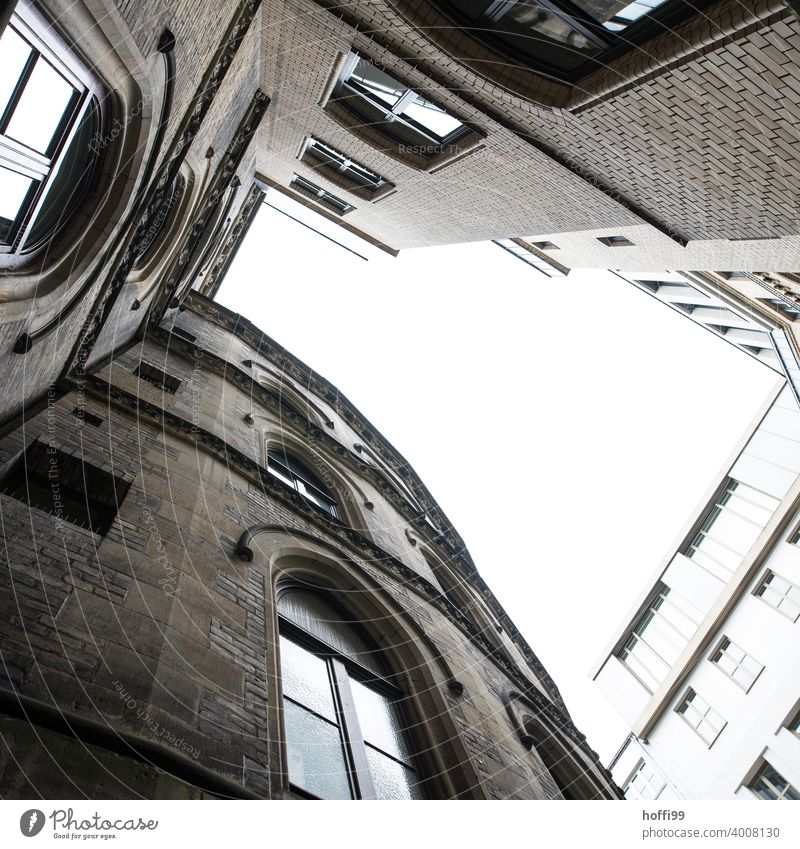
column 736, row 663
column 565, row 38
column 645, row 783
column 729, row 528
column 48, row 118
column 794, row 539
column 346, row 737
column 545, row 246
column 85, row 417
column 792, row 313
column 321, row 196
column 781, row 594
column 156, row 377
column 377, row 100
column 703, row 719
column 794, row 725
column 658, row 638
column 68, row 488
column 770, row 784
column 345, row 171
column 615, row 241
column 295, row 474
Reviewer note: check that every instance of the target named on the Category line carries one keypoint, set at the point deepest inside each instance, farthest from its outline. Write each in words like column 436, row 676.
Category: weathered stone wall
column 161, row 632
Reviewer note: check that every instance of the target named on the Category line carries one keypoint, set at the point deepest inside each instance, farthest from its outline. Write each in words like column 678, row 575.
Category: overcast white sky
column 566, row 427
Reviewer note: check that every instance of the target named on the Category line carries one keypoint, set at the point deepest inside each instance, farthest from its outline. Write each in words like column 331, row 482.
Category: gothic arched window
column 291, row 471
column 344, row 729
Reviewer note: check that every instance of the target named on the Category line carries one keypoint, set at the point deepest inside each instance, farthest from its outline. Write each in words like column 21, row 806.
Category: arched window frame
column 291, row 468
column 34, row 225
column 461, row 596
column 343, row 670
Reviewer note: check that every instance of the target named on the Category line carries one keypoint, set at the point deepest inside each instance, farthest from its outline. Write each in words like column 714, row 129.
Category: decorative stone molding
column 159, row 186
column 235, row 237
column 179, row 278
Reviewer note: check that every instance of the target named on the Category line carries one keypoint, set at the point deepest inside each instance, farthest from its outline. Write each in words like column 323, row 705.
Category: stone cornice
column 288, row 364
column 286, row 411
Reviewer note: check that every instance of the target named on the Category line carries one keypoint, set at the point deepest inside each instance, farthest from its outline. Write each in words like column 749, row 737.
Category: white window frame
column 637, row 634
column 17, row 157
column 723, row 647
column 648, row 773
column 698, row 714
column 732, row 488
column 783, row 606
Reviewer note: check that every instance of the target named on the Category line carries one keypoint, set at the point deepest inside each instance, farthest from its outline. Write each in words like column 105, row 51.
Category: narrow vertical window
column 659, row 637
column 729, row 528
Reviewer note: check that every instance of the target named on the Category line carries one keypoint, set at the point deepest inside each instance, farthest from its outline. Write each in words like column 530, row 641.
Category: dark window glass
column 296, row 475
column 156, row 377
column 67, row 487
column 566, row 37
column 320, row 195
column 328, row 157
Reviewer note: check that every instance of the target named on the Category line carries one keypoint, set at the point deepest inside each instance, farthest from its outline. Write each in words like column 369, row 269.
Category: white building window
column 770, row 784
column 659, row 637
column 645, row 783
column 780, row 594
column 703, row 719
column 737, row 664
column 729, row 528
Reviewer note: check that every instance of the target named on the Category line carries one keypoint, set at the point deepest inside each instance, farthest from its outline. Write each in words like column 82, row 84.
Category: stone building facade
column 157, row 517
column 160, row 127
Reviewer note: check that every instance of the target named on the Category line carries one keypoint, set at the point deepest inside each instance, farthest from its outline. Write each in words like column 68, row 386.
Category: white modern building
column 706, row 668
